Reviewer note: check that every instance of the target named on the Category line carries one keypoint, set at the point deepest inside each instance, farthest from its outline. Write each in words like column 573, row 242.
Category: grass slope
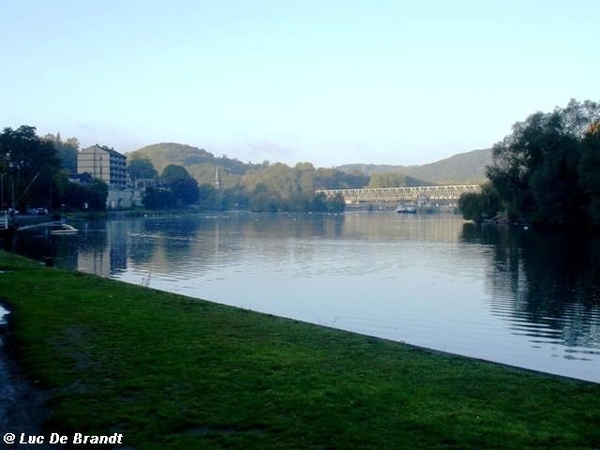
column 173, row 372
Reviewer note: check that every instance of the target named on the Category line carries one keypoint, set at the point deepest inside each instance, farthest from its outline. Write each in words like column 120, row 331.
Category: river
column 520, row 297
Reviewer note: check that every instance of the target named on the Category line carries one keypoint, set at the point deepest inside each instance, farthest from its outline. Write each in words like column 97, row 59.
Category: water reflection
column 519, row 297
column 546, row 284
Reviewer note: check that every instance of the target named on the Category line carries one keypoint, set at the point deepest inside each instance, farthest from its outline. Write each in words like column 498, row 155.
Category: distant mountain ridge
column 462, row 168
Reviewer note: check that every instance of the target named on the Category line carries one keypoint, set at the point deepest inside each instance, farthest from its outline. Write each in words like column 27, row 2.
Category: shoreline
column 167, row 370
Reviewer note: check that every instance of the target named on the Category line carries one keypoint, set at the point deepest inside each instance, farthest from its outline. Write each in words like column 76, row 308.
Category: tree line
column 546, row 171
column 270, row 188
column 42, row 171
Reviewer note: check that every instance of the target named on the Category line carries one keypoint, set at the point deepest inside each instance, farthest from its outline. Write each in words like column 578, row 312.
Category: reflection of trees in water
column 164, row 241
column 284, row 226
column 404, row 227
column 153, row 238
column 551, row 279
column 37, row 244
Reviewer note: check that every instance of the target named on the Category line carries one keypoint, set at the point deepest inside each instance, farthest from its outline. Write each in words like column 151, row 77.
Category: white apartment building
column 105, row 164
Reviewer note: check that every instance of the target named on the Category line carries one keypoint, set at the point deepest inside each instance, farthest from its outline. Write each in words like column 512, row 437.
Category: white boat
column 64, row 229
column 406, row 209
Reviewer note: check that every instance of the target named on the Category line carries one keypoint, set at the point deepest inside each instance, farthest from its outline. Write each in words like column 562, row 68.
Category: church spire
column 217, row 182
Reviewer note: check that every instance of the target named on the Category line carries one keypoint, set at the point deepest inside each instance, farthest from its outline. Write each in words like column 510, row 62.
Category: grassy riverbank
column 172, row 372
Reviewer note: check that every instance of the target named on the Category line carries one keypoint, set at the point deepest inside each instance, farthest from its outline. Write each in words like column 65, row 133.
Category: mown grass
column 173, row 372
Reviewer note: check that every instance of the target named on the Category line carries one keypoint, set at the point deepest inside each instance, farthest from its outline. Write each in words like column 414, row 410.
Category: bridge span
column 402, row 194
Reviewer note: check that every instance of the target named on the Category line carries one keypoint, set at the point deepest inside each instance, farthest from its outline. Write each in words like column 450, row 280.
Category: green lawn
column 173, row 372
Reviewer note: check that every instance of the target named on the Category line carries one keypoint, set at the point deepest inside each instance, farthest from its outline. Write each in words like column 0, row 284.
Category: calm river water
column 519, row 297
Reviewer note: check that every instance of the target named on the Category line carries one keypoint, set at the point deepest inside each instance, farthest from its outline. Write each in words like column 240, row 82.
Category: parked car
column 36, row 211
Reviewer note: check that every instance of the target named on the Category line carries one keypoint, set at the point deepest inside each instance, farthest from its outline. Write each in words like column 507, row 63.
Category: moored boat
column 406, row 209
column 64, row 229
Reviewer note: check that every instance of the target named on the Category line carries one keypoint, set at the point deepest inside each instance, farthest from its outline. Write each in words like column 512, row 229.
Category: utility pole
column 2, row 201
column 2, row 191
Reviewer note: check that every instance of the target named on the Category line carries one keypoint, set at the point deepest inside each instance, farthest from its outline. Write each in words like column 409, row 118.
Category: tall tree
column 589, row 170
column 31, row 165
column 536, row 169
column 480, row 206
column 66, row 151
column 140, row 168
column 183, row 187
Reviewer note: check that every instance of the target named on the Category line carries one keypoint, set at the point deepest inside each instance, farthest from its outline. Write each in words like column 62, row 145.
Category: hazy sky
column 330, row 82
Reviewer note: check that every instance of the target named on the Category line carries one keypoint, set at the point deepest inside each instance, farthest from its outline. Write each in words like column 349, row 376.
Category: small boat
column 406, row 209
column 63, row 229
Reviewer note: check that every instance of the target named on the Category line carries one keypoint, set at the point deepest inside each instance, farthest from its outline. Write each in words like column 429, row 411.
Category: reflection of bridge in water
column 399, row 194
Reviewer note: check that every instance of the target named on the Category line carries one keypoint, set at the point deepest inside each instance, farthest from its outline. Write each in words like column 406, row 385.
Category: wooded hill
column 202, row 165
column 462, row 168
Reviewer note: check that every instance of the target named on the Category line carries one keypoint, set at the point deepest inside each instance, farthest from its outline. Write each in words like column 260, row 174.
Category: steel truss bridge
column 400, row 194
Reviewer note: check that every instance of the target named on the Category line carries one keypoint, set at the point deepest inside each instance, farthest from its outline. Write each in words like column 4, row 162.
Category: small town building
column 104, row 163
column 110, row 166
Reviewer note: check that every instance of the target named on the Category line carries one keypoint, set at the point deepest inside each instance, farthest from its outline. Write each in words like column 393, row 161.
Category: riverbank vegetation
column 42, row 171
column 546, row 171
column 168, row 371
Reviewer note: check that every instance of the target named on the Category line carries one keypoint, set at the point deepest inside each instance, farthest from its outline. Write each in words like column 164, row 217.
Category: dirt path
column 21, row 406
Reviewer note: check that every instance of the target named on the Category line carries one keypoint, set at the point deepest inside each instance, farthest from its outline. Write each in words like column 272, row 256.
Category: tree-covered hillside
column 205, row 167
column 199, row 163
column 463, row 168
column 226, row 183
column 229, row 183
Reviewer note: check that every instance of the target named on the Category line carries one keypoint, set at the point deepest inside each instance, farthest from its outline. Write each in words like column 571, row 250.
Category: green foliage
column 91, row 195
column 287, row 188
column 387, row 179
column 394, row 179
column 97, row 195
column 469, row 205
column 209, row 198
column 283, row 188
column 185, row 191
column 320, row 203
column 191, row 158
column 140, row 168
column 543, row 171
column 337, row 179
column 173, row 372
column 337, row 204
column 158, row 198
column 589, row 170
column 183, row 187
column 478, row 207
column 279, row 187
column 30, row 165
column 84, row 196
column 66, row 151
